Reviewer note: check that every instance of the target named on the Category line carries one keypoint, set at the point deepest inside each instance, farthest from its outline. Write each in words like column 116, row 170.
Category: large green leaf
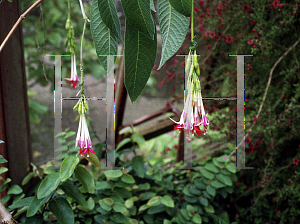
column 21, row 203
column 34, row 220
column 15, row 189
column 2, row 160
column 62, row 210
column 206, row 173
column 70, row 190
column 138, row 166
column 108, row 13
column 224, row 179
column 140, row 54
column 105, row 42
column 173, row 28
column 167, row 201
column 85, row 178
column 67, row 167
column 112, row 174
column 139, row 14
column 48, row 185
column 182, row 6
column 35, row 205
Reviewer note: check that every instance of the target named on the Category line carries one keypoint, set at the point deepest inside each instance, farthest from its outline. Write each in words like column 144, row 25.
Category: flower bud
column 68, row 24
column 79, row 107
column 86, row 105
column 76, row 106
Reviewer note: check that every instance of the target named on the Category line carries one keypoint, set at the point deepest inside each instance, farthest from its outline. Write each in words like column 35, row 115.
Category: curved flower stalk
column 193, row 114
column 83, row 139
column 74, row 78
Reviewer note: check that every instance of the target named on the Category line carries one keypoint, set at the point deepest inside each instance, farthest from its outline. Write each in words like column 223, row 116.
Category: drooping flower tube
column 193, row 114
column 83, row 139
column 74, row 78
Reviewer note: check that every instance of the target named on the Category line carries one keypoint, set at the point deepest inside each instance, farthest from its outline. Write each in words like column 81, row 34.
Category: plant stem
column 192, row 22
column 18, row 22
column 69, row 10
column 81, row 64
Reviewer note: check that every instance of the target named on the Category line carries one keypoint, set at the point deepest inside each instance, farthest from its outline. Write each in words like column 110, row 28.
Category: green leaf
column 105, row 43
column 138, row 138
column 197, row 219
column 27, row 178
column 21, row 203
column 4, row 185
column 62, row 210
column 212, row 168
column 123, row 142
column 167, row 201
column 152, row 6
column 127, row 178
column 49, row 184
column 67, row 167
column 70, row 190
column 35, row 205
column 199, row 184
column 143, row 207
column 140, row 54
column 2, row 160
column 203, row 201
column 223, row 159
column 173, row 28
column 211, row 190
column 105, row 206
column 101, row 185
column 217, row 184
column 93, row 159
column 218, row 219
column 34, row 220
column 156, row 209
column 206, row 173
column 69, row 134
column 112, row 174
column 85, row 178
column 224, row 179
column 108, row 13
column 154, row 201
column 139, row 14
column 184, row 7
column 118, row 207
column 3, row 170
column 209, row 209
column 138, row 166
column 231, row 167
column 129, row 203
column 158, row 176
column 14, row 189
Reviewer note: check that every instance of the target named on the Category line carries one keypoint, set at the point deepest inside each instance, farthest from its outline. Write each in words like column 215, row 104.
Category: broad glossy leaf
column 217, row 184
column 27, row 178
column 209, row 209
column 182, row 6
column 138, row 166
column 140, row 54
column 173, row 28
column 34, row 220
column 15, row 189
column 113, row 173
column 105, row 43
column 211, row 190
column 85, row 178
column 152, row 6
column 35, row 205
column 108, row 13
column 206, row 173
column 203, row 201
column 21, row 203
column 139, row 14
column 93, row 159
column 197, row 219
column 67, row 167
column 156, row 200
column 167, row 201
column 118, row 207
column 224, row 179
column 211, row 167
column 70, row 190
column 49, row 184
column 127, row 178
column 62, row 210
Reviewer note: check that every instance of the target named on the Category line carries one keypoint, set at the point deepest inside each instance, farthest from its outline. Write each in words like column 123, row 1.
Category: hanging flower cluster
column 193, row 115
column 83, row 139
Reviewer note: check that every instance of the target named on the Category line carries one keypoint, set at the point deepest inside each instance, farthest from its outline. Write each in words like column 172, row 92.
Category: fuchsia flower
column 83, row 139
column 74, row 77
column 193, row 114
